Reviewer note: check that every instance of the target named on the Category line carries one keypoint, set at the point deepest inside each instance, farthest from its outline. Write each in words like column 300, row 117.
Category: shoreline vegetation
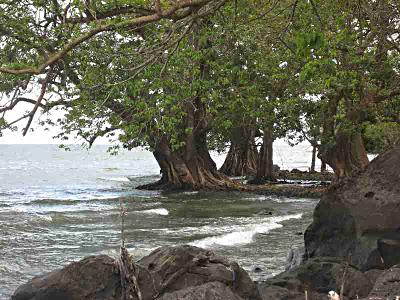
column 294, row 183
column 183, row 78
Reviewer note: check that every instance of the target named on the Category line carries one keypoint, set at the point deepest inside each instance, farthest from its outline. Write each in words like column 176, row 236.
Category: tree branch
column 18, row 100
column 38, row 101
column 53, row 59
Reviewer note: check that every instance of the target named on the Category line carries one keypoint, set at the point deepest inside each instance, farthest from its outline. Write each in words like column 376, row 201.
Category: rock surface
column 207, row 291
column 294, row 258
column 317, row 276
column 373, row 275
column 93, row 277
column 354, row 215
column 177, row 268
column 274, row 292
column 183, row 272
column 387, row 284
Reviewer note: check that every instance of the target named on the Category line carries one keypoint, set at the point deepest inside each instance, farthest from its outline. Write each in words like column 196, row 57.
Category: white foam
column 291, row 200
column 246, row 233
column 119, row 179
column 44, row 217
column 157, row 211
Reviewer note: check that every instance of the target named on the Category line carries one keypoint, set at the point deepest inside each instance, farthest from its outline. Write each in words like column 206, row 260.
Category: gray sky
column 38, row 136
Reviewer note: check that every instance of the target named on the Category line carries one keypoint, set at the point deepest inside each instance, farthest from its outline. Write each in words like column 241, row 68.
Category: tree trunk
column 241, row 159
column 265, row 163
column 314, row 154
column 348, row 156
column 323, row 166
column 190, row 167
column 187, row 170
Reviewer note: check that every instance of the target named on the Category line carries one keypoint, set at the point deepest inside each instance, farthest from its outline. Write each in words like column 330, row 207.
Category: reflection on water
column 57, row 207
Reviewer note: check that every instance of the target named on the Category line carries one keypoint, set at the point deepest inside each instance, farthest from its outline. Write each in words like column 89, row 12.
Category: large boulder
column 207, row 291
column 182, row 272
column 274, row 292
column 387, row 284
column 294, row 258
column 94, row 277
column 317, row 276
column 171, row 269
column 359, row 218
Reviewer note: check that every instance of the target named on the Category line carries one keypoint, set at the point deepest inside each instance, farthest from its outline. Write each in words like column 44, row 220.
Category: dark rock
column 178, row 268
column 294, row 258
column 319, row 276
column 389, row 248
column 273, row 292
column 264, row 212
column 257, row 270
column 276, row 168
column 354, row 215
column 94, row 277
column 207, row 291
column 387, row 284
column 180, row 272
column 373, row 275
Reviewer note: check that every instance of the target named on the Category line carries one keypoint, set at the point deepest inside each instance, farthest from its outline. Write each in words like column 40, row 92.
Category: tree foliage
column 188, row 73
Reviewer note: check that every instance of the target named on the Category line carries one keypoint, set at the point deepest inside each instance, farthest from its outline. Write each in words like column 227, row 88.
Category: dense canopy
column 183, row 77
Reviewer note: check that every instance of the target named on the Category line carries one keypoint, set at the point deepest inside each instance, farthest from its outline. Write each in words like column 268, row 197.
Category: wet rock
column 264, row 212
column 294, row 258
column 389, row 249
column 273, row 292
column 177, row 268
column 256, row 269
column 373, row 275
column 167, row 273
column 208, row 291
column 354, row 215
column 94, row 277
column 387, row 284
column 319, row 276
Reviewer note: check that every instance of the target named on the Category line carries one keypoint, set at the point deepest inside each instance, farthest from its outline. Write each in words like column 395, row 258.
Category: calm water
column 57, row 207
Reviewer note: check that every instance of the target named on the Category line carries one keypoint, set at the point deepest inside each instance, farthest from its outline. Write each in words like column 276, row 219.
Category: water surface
column 57, row 207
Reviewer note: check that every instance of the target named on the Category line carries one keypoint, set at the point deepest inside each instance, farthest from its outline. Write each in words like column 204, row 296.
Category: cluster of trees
column 183, row 77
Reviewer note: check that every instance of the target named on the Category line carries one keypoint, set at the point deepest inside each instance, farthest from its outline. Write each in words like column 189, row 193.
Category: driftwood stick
column 344, row 276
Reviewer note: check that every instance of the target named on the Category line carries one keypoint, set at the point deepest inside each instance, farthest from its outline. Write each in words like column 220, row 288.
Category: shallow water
column 57, row 207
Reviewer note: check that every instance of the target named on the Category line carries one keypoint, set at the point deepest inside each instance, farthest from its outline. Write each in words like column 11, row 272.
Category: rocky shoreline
column 352, row 247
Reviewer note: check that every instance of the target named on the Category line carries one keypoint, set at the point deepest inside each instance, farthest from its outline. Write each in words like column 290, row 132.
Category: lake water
column 57, row 207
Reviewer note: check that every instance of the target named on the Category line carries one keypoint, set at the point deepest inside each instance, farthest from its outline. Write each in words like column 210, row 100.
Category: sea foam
column 157, row 211
column 245, row 234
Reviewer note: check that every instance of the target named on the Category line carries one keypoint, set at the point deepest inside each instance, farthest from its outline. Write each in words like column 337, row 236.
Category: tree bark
column 348, row 156
column 190, row 167
column 241, row 159
column 323, row 166
column 314, row 154
column 265, row 163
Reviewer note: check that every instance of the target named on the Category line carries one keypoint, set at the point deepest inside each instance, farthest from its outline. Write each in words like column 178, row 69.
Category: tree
column 350, row 60
column 108, row 64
